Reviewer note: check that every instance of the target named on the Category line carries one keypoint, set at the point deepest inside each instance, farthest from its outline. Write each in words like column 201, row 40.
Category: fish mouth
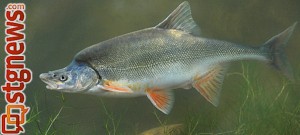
column 50, row 84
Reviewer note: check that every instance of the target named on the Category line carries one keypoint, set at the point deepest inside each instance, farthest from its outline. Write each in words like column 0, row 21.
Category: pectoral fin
column 210, row 84
column 116, row 87
column 162, row 99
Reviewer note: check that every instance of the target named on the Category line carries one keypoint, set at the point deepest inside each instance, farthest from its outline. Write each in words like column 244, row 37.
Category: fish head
column 74, row 78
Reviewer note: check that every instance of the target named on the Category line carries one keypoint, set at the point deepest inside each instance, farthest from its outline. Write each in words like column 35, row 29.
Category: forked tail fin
column 275, row 50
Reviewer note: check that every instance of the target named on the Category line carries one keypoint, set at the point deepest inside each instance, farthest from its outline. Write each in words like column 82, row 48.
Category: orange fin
column 162, row 99
column 116, row 87
column 210, row 84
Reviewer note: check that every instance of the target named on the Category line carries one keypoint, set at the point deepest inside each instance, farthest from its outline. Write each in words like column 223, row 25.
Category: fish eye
column 63, row 78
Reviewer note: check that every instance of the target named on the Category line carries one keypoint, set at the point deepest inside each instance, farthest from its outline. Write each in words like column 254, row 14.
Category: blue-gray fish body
column 156, row 60
column 153, row 52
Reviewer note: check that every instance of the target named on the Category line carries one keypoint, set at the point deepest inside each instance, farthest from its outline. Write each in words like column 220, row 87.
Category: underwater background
column 255, row 98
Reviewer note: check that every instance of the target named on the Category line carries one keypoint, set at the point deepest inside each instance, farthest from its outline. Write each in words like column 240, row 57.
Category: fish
column 153, row 62
column 173, row 129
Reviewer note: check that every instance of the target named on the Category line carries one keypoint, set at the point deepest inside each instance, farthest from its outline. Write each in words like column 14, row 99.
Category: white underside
column 172, row 79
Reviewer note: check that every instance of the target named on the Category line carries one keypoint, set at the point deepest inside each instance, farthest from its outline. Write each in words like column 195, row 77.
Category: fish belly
column 176, row 76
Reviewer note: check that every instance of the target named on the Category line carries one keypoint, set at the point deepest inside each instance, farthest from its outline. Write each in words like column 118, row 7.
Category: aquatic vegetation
column 112, row 123
column 259, row 113
column 34, row 120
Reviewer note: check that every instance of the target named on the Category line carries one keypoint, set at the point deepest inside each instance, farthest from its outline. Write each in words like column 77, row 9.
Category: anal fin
column 210, row 84
column 162, row 99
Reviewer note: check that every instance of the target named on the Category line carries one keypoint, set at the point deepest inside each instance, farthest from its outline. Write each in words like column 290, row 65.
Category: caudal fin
column 275, row 50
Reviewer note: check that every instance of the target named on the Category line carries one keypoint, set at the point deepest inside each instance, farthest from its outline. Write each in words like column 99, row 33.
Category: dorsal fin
column 181, row 19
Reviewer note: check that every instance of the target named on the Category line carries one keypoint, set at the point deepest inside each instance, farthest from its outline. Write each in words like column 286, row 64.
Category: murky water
column 56, row 30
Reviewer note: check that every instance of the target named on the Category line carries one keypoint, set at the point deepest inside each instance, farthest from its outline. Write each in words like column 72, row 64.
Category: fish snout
column 46, row 78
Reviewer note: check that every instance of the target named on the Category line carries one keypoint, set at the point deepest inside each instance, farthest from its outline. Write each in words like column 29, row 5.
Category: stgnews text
column 17, row 75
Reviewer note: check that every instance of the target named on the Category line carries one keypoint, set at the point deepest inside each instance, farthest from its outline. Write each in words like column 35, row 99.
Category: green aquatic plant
column 34, row 119
column 262, row 109
column 159, row 119
column 34, row 116
column 112, row 122
column 162, row 122
column 263, row 112
column 52, row 120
